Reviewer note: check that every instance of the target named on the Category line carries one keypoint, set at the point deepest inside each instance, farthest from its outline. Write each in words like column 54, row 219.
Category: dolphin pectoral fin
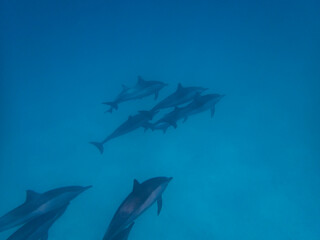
column 98, row 145
column 212, row 111
column 45, row 236
column 185, row 119
column 159, row 205
column 156, row 94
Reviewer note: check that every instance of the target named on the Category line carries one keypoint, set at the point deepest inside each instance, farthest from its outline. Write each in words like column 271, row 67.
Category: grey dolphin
column 181, row 96
column 131, row 124
column 39, row 227
column 37, row 204
column 140, row 199
column 198, row 105
column 202, row 104
column 140, row 90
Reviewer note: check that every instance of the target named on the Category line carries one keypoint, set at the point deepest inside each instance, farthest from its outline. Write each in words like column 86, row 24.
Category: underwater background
column 250, row 172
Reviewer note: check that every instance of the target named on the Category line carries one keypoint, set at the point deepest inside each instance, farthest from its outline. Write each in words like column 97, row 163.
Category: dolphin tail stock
column 99, row 145
column 113, row 105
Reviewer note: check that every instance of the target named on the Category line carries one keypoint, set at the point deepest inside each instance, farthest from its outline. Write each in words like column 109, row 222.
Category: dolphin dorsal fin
column 136, row 184
column 179, row 88
column 31, row 195
column 141, row 81
column 159, row 205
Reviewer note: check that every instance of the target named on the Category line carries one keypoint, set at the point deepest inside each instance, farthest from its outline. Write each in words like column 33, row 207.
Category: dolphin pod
column 140, row 90
column 143, row 195
column 182, row 95
column 37, row 204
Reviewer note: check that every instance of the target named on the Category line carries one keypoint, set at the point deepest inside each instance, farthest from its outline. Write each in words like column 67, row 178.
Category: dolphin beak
column 170, row 178
column 87, row 187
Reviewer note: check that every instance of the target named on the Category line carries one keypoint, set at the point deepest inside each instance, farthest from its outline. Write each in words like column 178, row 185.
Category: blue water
column 251, row 172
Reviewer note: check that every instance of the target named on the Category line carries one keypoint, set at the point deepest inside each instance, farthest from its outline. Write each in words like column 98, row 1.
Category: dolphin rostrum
column 37, row 204
column 140, row 199
column 140, row 90
column 181, row 96
column 39, row 227
column 131, row 124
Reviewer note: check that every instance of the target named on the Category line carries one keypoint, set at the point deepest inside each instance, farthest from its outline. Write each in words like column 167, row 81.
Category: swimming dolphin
column 39, row 227
column 140, row 199
column 181, row 96
column 202, row 103
column 140, row 90
column 37, row 204
column 131, row 124
column 198, row 105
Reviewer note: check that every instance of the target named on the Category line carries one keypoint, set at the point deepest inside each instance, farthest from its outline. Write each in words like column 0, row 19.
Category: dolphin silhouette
column 39, row 227
column 131, row 124
column 140, row 90
column 181, row 96
column 37, row 204
column 139, row 200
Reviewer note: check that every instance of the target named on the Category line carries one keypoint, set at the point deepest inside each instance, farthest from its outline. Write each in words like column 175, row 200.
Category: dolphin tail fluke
column 99, row 146
column 113, row 105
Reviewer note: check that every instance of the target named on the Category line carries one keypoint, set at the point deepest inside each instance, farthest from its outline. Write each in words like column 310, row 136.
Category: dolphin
column 202, row 104
column 39, row 227
column 181, row 96
column 140, row 90
column 37, row 204
column 140, row 199
column 131, row 124
column 198, row 105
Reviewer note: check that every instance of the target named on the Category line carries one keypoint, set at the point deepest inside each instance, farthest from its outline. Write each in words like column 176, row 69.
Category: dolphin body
column 140, row 90
column 39, row 227
column 37, row 204
column 202, row 104
column 181, row 96
column 131, row 124
column 198, row 105
column 140, row 199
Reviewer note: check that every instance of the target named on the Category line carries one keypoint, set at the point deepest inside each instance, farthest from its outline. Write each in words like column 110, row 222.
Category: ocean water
column 250, row 172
